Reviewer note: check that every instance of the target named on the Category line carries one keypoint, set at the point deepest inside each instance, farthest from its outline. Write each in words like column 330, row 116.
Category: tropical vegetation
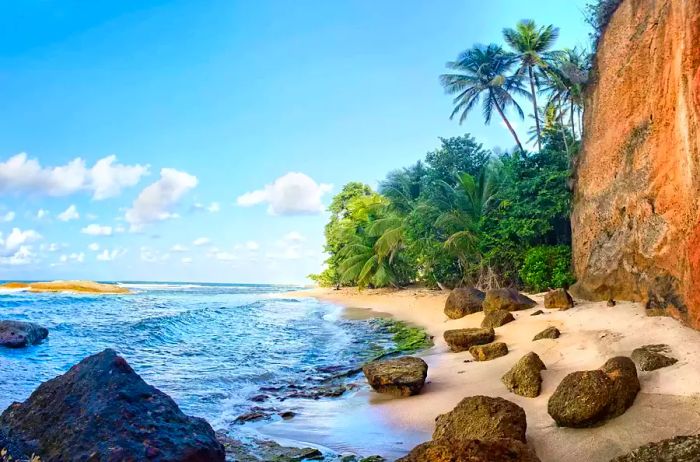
column 466, row 214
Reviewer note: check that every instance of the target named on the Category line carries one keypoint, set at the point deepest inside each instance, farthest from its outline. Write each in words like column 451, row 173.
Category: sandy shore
column 86, row 287
column 668, row 404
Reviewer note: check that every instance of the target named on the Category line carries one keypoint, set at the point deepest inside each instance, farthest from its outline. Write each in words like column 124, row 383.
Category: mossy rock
column 652, row 357
column 463, row 301
column 445, row 450
column 482, row 417
column 506, row 299
column 558, row 299
column 550, row 332
column 489, row 351
column 497, row 318
column 524, row 378
column 398, row 377
column 463, row 339
column 623, row 374
column 678, row 449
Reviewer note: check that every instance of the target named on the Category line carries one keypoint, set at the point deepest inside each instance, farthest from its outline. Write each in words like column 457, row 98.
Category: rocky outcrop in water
column 102, row 410
column 18, row 334
column 506, row 299
column 463, row 301
column 636, row 214
column 398, row 377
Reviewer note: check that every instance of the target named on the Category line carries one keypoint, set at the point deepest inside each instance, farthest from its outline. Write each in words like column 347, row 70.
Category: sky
column 202, row 140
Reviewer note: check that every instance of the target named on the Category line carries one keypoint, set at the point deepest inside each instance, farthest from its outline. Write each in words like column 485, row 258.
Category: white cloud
column 16, row 239
column 52, row 247
column 105, row 179
column 94, row 229
column 71, row 213
column 293, row 236
column 22, row 256
column 225, row 256
column 252, row 245
column 186, row 260
column 8, row 217
column 200, row 241
column 73, row 257
column 214, row 207
column 109, row 255
column 156, row 201
column 179, row 248
column 94, row 246
column 291, row 194
column 152, row 256
column 41, row 213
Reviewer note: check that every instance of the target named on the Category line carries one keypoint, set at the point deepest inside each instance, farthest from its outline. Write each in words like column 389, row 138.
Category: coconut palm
column 483, row 74
column 532, row 46
column 566, row 78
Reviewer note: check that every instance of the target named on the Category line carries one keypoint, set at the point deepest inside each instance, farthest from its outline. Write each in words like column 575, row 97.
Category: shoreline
column 667, row 406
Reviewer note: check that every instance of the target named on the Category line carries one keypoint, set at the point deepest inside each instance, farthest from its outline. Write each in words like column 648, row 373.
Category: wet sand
column 668, row 405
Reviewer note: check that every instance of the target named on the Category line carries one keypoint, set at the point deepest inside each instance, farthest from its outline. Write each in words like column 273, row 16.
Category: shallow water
column 212, row 347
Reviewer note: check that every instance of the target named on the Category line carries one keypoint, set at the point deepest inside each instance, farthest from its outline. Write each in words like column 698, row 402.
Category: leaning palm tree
column 532, row 45
column 483, row 74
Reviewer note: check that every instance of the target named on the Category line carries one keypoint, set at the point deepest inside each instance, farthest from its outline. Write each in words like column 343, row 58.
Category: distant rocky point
column 88, row 287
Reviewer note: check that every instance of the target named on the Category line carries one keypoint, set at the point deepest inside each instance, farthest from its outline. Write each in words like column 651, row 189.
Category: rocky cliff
column 636, row 218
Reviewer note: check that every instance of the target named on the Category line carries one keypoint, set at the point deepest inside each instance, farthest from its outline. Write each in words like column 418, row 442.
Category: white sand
column 668, row 405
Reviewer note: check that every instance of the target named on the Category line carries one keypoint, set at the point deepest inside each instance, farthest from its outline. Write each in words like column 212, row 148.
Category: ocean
column 220, row 351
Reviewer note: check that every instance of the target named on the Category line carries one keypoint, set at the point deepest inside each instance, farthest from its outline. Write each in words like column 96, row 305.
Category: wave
column 161, row 286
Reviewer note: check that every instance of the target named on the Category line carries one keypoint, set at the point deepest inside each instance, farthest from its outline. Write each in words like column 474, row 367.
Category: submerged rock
column 463, row 301
column 588, row 398
column 524, row 378
column 258, row 450
column 678, row 449
column 398, row 377
column 444, row 450
column 558, row 299
column 482, row 417
column 18, row 334
column 497, row 318
column 102, row 410
column 489, row 351
column 651, row 357
column 506, row 299
column 463, row 339
column 550, row 332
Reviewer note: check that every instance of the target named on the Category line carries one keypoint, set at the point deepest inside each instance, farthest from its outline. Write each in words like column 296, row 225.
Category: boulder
column 550, row 332
column 506, row 299
column 463, row 301
column 678, row 449
column 18, row 334
column 444, row 450
column 463, row 339
column 524, row 378
column 482, row 418
column 558, row 299
column 652, row 357
column 101, row 410
column 489, row 351
column 588, row 398
column 398, row 377
column 497, row 318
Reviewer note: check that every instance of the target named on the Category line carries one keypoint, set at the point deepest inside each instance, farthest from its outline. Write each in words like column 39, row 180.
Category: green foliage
column 547, row 267
column 598, row 14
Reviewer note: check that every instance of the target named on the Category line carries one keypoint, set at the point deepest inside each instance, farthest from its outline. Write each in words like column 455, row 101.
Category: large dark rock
column 463, row 301
column 482, row 417
column 489, row 351
column 398, row 377
column 524, row 378
column 589, row 398
column 678, row 449
column 463, row 339
column 652, row 357
column 506, row 299
column 497, row 318
column 558, row 299
column 101, row 410
column 496, row 450
column 18, row 334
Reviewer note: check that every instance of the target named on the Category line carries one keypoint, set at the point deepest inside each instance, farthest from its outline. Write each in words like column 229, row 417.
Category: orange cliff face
column 636, row 217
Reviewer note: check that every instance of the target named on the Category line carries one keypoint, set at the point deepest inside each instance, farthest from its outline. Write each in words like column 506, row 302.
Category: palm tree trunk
column 561, row 126
column 505, row 119
column 534, row 105
column 571, row 116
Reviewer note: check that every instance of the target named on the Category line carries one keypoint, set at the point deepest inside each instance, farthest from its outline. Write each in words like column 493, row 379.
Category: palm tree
column 567, row 76
column 532, row 46
column 482, row 74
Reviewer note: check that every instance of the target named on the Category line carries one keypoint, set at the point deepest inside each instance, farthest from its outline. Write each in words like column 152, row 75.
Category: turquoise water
column 210, row 346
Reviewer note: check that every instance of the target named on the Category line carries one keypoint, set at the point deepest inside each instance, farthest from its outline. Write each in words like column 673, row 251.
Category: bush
column 547, row 267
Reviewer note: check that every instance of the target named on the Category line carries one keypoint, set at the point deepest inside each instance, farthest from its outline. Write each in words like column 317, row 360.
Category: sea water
column 211, row 347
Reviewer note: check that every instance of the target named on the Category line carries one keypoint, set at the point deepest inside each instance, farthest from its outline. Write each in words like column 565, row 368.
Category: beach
column 591, row 332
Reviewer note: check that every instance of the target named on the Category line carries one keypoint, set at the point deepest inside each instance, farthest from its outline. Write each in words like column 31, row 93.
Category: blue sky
column 201, row 140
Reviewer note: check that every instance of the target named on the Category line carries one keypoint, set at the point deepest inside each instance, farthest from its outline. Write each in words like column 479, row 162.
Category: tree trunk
column 534, row 105
column 572, row 117
column 561, row 127
column 510, row 127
